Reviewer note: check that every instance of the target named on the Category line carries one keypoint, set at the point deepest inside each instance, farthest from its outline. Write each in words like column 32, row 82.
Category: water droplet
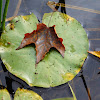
column 30, row 12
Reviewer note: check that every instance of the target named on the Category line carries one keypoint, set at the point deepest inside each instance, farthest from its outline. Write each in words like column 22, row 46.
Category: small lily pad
column 4, row 94
column 95, row 53
column 53, row 70
column 23, row 94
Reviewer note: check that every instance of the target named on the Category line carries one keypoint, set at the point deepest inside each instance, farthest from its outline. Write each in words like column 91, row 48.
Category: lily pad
column 53, row 70
column 4, row 94
column 23, row 94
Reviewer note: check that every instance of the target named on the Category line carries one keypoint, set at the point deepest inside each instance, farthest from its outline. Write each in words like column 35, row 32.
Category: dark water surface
column 90, row 76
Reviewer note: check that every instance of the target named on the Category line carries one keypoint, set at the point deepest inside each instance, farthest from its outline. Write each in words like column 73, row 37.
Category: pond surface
column 89, row 77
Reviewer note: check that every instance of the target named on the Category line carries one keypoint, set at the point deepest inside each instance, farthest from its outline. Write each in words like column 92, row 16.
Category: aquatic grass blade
column 4, row 15
column 0, row 12
column 74, row 97
column 69, row 98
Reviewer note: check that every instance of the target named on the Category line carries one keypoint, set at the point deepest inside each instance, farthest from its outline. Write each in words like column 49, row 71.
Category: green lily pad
column 4, row 94
column 53, row 70
column 23, row 94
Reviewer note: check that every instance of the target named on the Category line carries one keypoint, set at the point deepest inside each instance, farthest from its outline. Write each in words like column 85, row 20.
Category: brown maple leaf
column 44, row 38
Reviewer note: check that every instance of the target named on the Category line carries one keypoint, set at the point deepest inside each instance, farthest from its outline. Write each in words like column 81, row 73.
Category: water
column 88, row 78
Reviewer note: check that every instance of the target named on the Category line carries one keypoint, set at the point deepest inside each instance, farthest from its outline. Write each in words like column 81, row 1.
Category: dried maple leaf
column 96, row 53
column 44, row 38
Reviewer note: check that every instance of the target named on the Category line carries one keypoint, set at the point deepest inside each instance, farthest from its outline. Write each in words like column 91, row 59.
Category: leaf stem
column 4, row 15
column 0, row 12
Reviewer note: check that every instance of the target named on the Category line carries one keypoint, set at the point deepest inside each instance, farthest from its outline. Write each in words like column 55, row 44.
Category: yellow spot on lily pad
column 67, row 17
column 12, row 26
column 68, row 76
column 70, row 18
column 26, row 17
column 78, row 70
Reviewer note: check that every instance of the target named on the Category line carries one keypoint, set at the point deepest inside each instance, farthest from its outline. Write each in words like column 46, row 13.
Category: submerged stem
column 4, row 15
column 84, row 82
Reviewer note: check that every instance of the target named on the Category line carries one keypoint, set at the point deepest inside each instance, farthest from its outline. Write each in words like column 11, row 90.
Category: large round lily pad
column 53, row 70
